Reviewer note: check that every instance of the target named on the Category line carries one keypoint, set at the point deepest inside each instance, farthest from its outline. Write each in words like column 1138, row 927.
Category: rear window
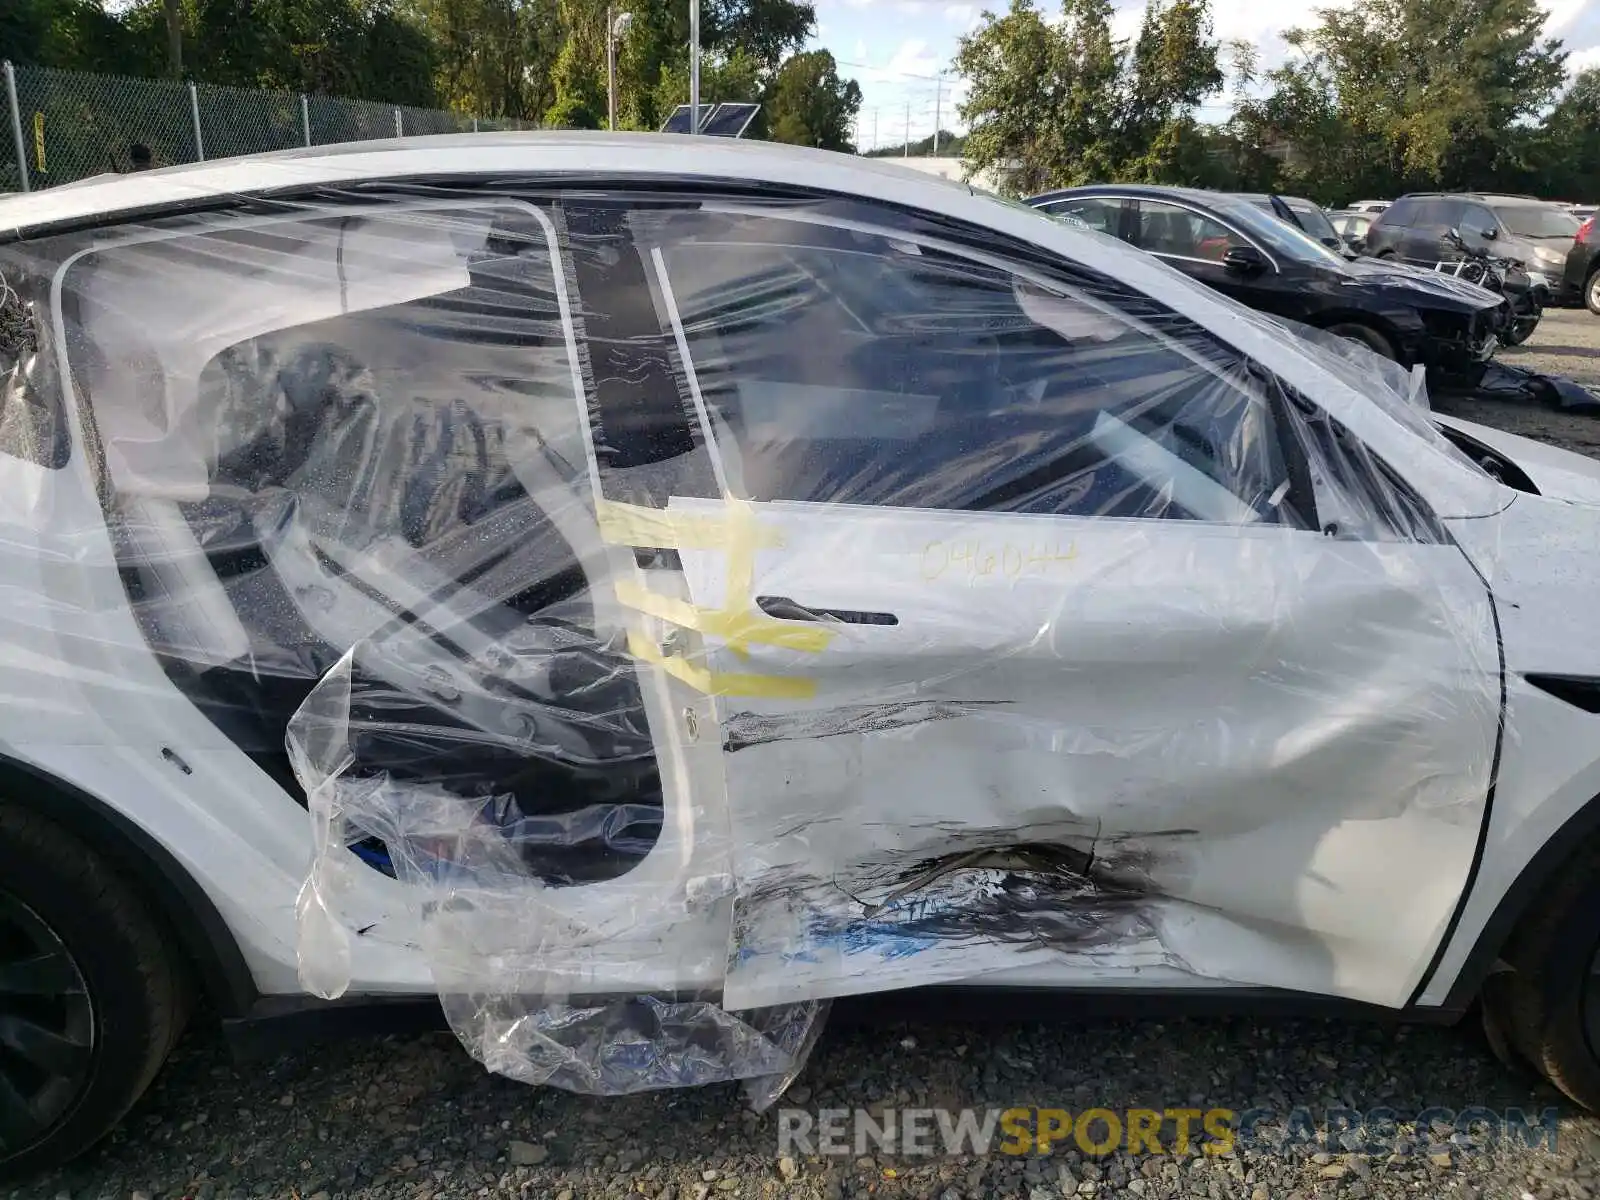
column 1312, row 220
column 1437, row 213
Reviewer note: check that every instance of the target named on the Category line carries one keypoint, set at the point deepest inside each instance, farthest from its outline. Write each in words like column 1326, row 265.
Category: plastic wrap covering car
column 702, row 607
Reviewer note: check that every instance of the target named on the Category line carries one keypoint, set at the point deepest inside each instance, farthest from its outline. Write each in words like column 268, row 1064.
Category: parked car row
column 1229, row 242
column 1555, row 243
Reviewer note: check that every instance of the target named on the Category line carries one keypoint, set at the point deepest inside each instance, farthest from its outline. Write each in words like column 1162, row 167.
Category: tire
column 1539, row 1003
column 1367, row 336
column 1521, row 329
column 1591, row 292
column 85, row 1029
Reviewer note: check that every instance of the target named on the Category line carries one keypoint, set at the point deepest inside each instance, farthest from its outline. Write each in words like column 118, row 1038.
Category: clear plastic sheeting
column 690, row 608
column 473, row 866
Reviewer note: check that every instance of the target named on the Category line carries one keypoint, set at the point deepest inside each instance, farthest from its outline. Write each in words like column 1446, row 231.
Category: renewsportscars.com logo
column 911, row 1132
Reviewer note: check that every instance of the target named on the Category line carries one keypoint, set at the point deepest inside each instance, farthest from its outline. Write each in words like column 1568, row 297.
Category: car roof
column 1486, row 197
column 649, row 156
column 1154, row 190
column 1157, row 191
column 1258, row 197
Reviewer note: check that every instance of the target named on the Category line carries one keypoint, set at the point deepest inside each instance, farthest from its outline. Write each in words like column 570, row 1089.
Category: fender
column 1517, row 901
column 175, row 898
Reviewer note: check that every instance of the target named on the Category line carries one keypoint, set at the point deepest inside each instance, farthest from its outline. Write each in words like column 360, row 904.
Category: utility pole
column 938, row 85
column 694, row 66
column 611, row 74
column 907, row 146
column 874, row 129
column 615, row 27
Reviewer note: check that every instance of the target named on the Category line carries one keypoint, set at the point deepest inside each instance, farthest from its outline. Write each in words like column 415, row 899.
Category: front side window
column 844, row 366
column 1164, row 228
column 1101, row 213
column 1477, row 222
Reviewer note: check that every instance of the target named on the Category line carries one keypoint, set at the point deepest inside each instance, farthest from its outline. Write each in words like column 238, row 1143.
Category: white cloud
column 961, row 14
column 1582, row 60
column 914, row 61
column 860, row 52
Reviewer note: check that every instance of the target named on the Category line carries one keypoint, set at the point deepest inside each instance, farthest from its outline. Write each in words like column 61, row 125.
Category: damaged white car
column 638, row 597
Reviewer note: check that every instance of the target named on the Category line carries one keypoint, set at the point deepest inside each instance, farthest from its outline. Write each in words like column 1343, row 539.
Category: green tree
column 1568, row 144
column 1015, row 65
column 1056, row 104
column 1402, row 94
column 1173, row 67
column 807, row 104
column 493, row 58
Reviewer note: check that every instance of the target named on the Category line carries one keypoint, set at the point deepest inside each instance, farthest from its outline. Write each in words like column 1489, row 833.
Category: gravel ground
column 417, row 1119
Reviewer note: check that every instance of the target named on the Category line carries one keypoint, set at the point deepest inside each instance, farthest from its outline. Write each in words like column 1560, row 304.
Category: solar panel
column 716, row 120
column 729, row 120
column 678, row 122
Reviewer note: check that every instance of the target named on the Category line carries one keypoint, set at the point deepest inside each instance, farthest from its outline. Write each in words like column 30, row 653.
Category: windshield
column 1537, row 220
column 1279, row 236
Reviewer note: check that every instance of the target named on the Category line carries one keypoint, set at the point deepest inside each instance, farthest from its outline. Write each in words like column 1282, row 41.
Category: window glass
column 1475, row 218
column 33, row 424
column 1097, row 212
column 1170, row 229
column 1437, row 214
column 1538, row 220
column 324, row 433
column 843, row 366
column 1399, row 215
column 1313, row 220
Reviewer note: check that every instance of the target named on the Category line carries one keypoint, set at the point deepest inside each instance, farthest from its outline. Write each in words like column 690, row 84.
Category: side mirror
column 1331, row 242
column 1488, row 235
column 1244, row 260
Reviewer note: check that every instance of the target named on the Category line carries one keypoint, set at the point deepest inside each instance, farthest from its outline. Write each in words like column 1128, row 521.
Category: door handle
column 785, row 609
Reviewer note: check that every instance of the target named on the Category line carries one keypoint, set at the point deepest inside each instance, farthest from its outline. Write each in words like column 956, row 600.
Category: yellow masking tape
column 635, row 525
column 739, row 628
column 719, row 683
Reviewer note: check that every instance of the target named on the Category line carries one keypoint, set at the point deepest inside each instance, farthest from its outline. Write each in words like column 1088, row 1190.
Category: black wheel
column 1591, row 293
column 1521, row 328
column 91, row 1000
column 1367, row 336
column 1548, row 1003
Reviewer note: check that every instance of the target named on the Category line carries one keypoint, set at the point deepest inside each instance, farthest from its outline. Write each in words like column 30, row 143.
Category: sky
column 900, row 50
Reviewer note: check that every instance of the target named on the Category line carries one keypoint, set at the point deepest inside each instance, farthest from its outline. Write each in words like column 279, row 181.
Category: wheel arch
column 1376, row 322
column 1518, row 900
column 176, row 900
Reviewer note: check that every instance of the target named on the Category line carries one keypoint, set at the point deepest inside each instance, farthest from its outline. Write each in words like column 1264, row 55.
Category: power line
column 861, row 66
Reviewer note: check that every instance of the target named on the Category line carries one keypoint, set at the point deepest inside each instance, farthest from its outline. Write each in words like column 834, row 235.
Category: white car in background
column 760, row 574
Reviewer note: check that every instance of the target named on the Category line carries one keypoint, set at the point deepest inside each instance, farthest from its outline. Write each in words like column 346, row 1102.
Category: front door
column 1046, row 632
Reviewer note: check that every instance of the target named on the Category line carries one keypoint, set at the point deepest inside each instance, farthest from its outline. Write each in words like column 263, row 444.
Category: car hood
column 1424, row 288
column 1558, row 474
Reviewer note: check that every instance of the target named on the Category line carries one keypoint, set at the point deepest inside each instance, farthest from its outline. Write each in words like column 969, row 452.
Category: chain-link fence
column 67, row 125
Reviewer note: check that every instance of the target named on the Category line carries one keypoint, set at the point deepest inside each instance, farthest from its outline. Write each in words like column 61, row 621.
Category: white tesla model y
column 670, row 589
